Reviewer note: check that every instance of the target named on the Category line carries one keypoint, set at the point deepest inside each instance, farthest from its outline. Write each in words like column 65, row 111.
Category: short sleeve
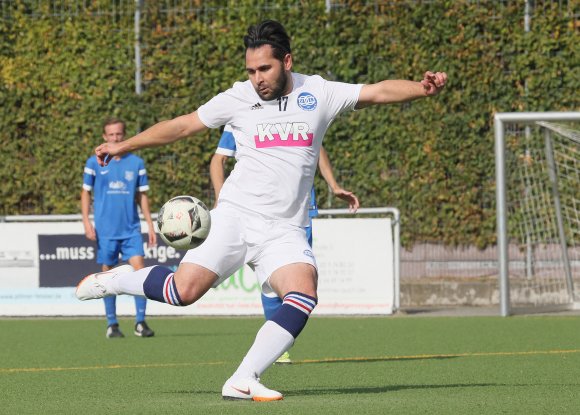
column 89, row 175
column 143, row 180
column 227, row 143
column 219, row 110
column 341, row 97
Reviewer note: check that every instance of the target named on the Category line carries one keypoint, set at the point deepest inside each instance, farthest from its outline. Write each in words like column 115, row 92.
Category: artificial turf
column 372, row 365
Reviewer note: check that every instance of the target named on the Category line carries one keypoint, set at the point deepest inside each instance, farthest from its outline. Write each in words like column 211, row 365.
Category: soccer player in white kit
column 278, row 119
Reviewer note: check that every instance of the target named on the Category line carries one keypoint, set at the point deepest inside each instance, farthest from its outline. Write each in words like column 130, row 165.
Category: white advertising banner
column 40, row 263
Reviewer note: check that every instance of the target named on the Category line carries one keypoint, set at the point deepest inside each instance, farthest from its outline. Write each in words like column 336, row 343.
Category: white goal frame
column 500, row 120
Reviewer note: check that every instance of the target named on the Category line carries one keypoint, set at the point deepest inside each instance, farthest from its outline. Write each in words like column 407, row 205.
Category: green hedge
column 63, row 71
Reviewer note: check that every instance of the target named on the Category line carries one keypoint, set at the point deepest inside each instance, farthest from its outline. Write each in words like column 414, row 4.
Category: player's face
column 114, row 133
column 269, row 77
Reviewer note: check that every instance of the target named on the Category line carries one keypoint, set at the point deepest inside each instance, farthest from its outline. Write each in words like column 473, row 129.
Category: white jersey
column 277, row 142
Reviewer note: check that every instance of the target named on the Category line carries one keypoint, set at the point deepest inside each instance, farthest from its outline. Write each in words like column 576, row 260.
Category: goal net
column 538, row 211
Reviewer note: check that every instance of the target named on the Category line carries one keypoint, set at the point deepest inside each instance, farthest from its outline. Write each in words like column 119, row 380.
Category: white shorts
column 239, row 237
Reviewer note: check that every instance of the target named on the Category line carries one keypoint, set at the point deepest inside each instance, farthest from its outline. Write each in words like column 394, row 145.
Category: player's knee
column 192, row 283
column 188, row 296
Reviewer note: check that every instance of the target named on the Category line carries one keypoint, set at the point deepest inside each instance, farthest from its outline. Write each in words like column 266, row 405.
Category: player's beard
column 277, row 88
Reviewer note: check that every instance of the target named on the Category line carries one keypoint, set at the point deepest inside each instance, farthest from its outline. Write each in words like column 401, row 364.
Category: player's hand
column 90, row 232
column 348, row 197
column 105, row 152
column 433, row 82
column 152, row 238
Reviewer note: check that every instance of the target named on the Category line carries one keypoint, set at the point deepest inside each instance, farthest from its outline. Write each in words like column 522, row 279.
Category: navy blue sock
column 294, row 312
column 160, row 286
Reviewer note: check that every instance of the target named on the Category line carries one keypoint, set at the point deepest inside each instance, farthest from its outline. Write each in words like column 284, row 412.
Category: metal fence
column 64, row 9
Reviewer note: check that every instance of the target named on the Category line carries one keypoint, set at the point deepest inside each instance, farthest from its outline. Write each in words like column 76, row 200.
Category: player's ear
column 288, row 62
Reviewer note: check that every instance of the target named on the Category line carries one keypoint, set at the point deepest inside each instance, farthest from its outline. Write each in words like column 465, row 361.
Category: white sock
column 271, row 341
column 130, row 283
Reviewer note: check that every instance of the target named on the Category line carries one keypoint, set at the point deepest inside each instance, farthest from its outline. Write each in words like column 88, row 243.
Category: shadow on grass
column 204, row 334
column 384, row 389
column 370, row 359
column 358, row 390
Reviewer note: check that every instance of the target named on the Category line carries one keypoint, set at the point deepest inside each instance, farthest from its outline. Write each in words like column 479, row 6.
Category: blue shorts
column 308, row 230
column 108, row 250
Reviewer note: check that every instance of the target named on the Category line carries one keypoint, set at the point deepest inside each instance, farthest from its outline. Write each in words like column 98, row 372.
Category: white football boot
column 249, row 388
column 96, row 285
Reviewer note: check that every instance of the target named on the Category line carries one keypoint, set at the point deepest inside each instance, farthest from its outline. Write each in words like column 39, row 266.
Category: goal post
column 537, row 203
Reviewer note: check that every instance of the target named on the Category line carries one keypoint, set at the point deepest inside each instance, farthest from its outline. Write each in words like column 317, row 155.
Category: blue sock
column 294, row 312
column 159, row 286
column 270, row 306
column 111, row 310
column 140, row 307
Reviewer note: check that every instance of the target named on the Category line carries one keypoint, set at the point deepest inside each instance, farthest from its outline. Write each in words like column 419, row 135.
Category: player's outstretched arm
column 162, row 133
column 395, row 91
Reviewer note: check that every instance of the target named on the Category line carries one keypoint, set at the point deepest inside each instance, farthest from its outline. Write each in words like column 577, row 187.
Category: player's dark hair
column 111, row 121
column 269, row 32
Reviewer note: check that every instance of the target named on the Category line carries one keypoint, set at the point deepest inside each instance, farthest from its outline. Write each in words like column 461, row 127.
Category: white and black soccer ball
column 184, row 222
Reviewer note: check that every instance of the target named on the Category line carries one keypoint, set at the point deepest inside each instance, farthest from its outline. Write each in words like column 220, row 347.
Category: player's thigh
column 132, row 247
column 224, row 251
column 137, row 262
column 108, row 251
column 298, row 277
column 286, row 262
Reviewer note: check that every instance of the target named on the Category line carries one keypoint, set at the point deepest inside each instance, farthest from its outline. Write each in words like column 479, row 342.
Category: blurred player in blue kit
column 118, row 188
column 227, row 149
column 278, row 119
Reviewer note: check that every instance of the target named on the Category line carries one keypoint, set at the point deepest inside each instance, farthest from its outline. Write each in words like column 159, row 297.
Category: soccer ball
column 184, row 222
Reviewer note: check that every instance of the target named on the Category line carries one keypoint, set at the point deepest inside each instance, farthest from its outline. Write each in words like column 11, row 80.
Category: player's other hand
column 433, row 82
column 152, row 238
column 90, row 232
column 348, row 197
column 105, row 152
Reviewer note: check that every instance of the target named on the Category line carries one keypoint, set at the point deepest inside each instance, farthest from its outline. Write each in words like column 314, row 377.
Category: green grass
column 398, row 365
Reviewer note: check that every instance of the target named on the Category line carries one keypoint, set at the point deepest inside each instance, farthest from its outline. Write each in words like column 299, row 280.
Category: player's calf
column 160, row 286
column 183, row 287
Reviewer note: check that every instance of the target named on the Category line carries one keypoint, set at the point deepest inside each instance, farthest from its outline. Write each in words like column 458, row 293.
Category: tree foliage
column 61, row 75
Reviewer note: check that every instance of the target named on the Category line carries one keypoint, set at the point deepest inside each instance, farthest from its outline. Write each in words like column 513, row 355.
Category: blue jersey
column 115, row 188
column 227, row 147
